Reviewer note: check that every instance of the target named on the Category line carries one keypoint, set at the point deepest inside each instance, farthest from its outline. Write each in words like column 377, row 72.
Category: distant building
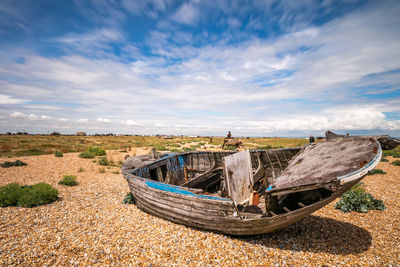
column 81, row 134
column 55, row 133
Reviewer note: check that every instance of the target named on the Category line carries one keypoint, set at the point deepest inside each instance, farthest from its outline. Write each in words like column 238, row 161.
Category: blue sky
column 258, row 68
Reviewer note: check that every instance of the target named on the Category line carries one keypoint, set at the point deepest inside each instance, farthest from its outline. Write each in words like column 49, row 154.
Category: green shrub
column 87, row 155
column 69, row 180
column 38, row 194
column 376, row 171
column 396, row 163
column 10, row 194
column 129, row 199
column 356, row 199
column 103, row 161
column 9, row 164
column 98, row 151
column 27, row 196
column 91, row 152
column 58, row 154
column 384, row 160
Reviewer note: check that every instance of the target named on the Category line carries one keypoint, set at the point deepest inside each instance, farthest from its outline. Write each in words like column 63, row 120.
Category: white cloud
column 103, row 120
column 17, row 115
column 129, row 122
column 82, row 120
column 6, row 99
column 63, row 119
column 187, row 14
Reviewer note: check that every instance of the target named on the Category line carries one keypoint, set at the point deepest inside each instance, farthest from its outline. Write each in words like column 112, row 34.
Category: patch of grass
column 87, row 155
column 384, row 160
column 396, row 163
column 103, row 161
column 174, row 145
column 356, row 199
column 175, row 150
column 264, row 147
column 81, row 169
column 98, row 151
column 92, row 152
column 230, row 148
column 8, row 164
column 123, row 151
column 115, row 172
column 31, row 152
column 160, row 147
column 69, row 180
column 27, row 196
column 120, row 163
column 102, row 170
column 188, row 149
column 58, row 154
column 129, row 199
column 94, row 161
column 376, row 171
column 394, row 153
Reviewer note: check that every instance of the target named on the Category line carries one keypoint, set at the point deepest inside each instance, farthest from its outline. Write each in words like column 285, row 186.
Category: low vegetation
column 395, row 153
column 356, row 199
column 92, row 152
column 69, row 180
column 31, row 145
column 27, row 195
column 58, row 154
column 396, row 163
column 129, row 199
column 376, row 171
column 8, row 164
column 103, row 161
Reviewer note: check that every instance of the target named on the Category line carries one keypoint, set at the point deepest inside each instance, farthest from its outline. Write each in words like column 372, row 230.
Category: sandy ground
column 88, row 225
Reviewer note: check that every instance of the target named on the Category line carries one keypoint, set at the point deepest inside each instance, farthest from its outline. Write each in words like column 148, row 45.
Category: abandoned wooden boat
column 249, row 192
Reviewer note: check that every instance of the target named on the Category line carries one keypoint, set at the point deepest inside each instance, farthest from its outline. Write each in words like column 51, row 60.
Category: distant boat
column 249, row 192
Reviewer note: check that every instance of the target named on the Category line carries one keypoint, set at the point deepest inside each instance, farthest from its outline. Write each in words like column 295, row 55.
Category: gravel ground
column 90, row 226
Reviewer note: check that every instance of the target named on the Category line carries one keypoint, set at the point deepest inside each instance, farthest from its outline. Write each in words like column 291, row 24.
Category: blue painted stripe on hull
column 179, row 190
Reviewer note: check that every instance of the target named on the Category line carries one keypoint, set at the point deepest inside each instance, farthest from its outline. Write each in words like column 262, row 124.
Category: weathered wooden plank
column 239, row 176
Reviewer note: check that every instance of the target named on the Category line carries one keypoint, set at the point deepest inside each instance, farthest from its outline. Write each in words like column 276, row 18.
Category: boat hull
column 214, row 214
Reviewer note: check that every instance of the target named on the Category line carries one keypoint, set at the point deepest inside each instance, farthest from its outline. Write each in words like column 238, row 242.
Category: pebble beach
column 89, row 225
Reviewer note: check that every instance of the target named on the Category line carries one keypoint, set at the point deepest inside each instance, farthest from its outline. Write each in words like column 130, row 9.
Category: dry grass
column 17, row 146
column 89, row 225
